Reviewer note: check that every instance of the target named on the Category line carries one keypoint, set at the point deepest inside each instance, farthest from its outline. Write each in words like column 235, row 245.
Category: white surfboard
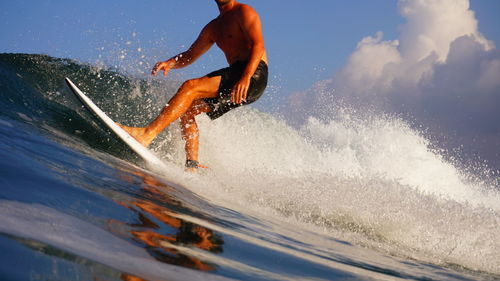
column 151, row 160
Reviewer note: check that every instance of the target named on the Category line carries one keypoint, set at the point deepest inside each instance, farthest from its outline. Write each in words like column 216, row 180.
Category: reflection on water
column 160, row 231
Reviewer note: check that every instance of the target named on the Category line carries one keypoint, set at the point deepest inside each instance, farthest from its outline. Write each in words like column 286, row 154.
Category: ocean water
column 352, row 198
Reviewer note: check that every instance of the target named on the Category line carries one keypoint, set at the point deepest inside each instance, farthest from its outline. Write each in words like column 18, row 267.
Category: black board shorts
column 229, row 77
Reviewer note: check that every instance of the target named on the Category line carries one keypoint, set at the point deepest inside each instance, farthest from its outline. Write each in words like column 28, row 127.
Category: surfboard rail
column 149, row 157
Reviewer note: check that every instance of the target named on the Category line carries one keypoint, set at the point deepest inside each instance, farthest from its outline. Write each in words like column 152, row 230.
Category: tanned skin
column 237, row 32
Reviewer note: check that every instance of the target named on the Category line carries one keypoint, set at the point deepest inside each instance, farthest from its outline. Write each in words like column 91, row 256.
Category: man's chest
column 227, row 32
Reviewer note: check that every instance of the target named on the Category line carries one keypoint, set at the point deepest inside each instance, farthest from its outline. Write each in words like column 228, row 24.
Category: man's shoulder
column 212, row 22
column 210, row 26
column 246, row 9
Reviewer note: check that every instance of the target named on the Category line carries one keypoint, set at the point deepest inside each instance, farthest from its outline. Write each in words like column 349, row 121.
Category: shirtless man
column 237, row 32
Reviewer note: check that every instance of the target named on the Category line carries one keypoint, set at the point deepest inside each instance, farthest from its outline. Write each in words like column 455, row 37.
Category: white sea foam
column 375, row 182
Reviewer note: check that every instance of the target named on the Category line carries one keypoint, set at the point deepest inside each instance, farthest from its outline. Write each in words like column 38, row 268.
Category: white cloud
column 433, row 24
column 380, row 67
column 442, row 71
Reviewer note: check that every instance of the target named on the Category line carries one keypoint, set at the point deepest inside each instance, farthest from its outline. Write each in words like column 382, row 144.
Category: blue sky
column 307, row 41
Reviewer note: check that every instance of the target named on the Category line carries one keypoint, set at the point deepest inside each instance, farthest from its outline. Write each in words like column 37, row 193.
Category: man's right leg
column 190, row 91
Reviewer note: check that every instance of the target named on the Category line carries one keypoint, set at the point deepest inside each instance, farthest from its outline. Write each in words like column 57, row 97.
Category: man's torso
column 227, row 32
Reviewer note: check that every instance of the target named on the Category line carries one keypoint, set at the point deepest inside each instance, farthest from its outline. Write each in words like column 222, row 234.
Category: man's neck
column 227, row 7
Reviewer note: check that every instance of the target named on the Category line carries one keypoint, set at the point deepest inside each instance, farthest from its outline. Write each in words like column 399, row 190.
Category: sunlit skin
column 237, row 32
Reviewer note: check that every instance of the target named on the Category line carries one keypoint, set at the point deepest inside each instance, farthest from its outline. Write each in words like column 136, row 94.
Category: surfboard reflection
column 158, row 229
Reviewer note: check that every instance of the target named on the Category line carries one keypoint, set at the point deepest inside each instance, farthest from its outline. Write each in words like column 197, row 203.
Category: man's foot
column 192, row 166
column 140, row 134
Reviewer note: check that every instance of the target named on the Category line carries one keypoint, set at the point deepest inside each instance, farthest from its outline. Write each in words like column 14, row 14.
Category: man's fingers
column 239, row 93
column 244, row 94
column 155, row 69
column 159, row 66
column 234, row 94
column 238, row 96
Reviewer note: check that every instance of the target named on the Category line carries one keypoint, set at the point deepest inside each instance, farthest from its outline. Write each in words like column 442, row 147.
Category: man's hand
column 240, row 90
column 162, row 65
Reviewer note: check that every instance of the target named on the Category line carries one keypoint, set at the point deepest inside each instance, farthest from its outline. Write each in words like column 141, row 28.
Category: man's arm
column 252, row 28
column 198, row 48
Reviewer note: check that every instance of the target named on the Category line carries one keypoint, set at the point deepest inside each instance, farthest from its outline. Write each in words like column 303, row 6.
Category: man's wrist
column 171, row 62
column 246, row 78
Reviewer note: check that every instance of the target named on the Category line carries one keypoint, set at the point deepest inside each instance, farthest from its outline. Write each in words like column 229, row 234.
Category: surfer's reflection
column 128, row 277
column 158, row 228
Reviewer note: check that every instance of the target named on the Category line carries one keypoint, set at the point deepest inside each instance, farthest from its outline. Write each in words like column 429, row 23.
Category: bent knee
column 191, row 85
column 200, row 87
